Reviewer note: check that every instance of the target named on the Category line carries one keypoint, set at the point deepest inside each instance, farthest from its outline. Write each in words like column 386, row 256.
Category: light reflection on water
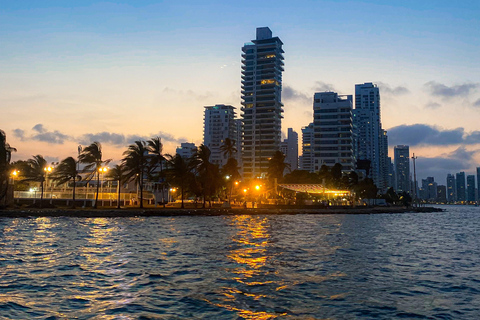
column 242, row 267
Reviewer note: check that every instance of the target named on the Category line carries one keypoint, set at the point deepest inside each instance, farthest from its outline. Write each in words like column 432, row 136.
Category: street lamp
column 172, row 190
column 47, row 171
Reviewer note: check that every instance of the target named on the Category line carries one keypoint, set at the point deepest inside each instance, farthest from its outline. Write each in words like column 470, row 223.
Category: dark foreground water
column 410, row 266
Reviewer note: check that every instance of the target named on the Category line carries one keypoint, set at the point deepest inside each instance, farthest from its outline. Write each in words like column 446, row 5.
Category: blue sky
column 121, row 70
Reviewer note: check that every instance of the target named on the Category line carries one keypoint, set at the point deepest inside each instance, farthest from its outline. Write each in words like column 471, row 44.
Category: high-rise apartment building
column 370, row 137
column 218, row 125
column 471, row 188
column 289, row 147
column 460, row 186
column 451, row 188
column 333, row 130
column 186, row 150
column 478, row 183
column 262, row 67
column 402, row 168
column 308, row 156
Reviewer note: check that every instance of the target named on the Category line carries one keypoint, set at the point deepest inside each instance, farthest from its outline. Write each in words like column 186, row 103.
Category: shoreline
column 172, row 212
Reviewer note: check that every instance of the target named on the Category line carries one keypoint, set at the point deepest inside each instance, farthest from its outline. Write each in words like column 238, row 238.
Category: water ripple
column 406, row 266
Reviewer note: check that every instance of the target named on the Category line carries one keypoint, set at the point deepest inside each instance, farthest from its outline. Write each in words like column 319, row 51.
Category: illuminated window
column 269, row 81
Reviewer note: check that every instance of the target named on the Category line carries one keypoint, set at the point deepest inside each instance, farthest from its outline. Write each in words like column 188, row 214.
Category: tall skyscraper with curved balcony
column 262, row 67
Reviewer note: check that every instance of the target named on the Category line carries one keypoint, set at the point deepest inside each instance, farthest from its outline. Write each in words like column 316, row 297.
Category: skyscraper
column 402, row 168
column 451, row 188
column 471, row 188
column 370, row 137
column 478, row 183
column 289, row 148
column 333, row 130
column 460, row 186
column 218, row 124
column 307, row 157
column 262, row 67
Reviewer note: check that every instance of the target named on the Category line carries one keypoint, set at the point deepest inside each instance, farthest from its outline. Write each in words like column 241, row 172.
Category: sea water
column 305, row 266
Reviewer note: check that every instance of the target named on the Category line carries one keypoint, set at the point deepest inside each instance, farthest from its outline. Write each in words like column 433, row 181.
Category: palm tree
column 155, row 147
column 228, row 148
column 135, row 164
column 66, row 171
column 5, row 157
column 230, row 170
column 92, row 157
column 205, row 170
column 277, row 165
column 179, row 172
column 117, row 173
column 35, row 170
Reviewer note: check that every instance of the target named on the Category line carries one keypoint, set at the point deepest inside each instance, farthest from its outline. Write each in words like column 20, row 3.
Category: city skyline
column 72, row 74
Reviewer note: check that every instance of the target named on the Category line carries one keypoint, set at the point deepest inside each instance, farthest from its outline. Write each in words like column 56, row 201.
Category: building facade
column 460, row 186
column 451, row 188
column 218, row 125
column 262, row 67
column 186, row 150
column 471, row 188
column 371, row 141
column 402, row 168
column 308, row 156
column 289, row 147
column 333, row 130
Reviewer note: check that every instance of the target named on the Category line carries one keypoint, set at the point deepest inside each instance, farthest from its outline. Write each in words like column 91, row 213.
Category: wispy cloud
column 387, row 89
column 40, row 133
column 444, row 91
column 321, row 86
column 289, row 93
column 433, row 105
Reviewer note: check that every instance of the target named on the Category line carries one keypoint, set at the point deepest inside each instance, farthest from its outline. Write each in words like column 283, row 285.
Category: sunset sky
column 73, row 72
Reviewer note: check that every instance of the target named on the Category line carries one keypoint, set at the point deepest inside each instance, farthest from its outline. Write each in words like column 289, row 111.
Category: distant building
column 218, row 125
column 391, row 174
column 429, row 189
column 451, row 188
column 308, row 156
column 460, row 186
column 262, row 67
column 371, row 143
column 333, row 130
column 289, row 148
column 471, row 188
column 441, row 193
column 478, row 183
column 186, row 150
column 402, row 168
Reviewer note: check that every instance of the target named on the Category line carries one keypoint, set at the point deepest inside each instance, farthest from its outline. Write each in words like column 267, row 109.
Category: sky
column 73, row 72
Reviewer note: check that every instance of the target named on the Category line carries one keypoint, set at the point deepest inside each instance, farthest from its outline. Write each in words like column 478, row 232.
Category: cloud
column 385, row 88
column 321, row 86
column 438, row 167
column 40, row 133
column 288, row 93
column 39, row 128
column 423, row 134
column 444, row 91
column 19, row 133
column 477, row 103
column 433, row 105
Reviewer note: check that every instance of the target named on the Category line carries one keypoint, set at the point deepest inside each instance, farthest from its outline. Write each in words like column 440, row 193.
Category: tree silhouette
column 5, row 157
column 66, row 171
column 35, row 170
column 135, row 164
column 228, row 148
column 92, row 157
column 179, row 171
column 117, row 173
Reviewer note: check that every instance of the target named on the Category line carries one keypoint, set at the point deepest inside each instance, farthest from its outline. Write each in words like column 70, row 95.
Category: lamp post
column 414, row 180
column 47, row 171
column 102, row 171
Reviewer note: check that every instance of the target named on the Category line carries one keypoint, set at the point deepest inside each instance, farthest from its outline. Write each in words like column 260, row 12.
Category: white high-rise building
column 289, row 147
column 262, row 67
column 333, row 130
column 186, row 150
column 371, row 143
column 218, row 124
column 308, row 156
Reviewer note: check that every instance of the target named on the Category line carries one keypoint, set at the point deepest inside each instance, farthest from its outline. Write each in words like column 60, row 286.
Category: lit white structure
column 262, row 67
column 333, row 130
column 289, row 147
column 371, row 140
column 308, row 156
column 218, row 125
